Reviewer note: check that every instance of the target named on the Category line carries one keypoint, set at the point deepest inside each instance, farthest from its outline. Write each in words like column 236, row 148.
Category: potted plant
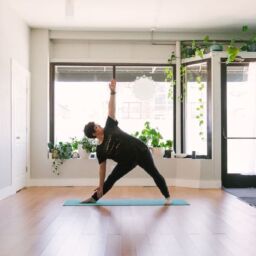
column 168, row 150
column 232, row 51
column 74, row 144
column 249, row 45
column 86, row 146
column 60, row 152
column 152, row 137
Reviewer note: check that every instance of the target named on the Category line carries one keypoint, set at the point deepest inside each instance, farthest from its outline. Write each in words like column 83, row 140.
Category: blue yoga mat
column 125, row 202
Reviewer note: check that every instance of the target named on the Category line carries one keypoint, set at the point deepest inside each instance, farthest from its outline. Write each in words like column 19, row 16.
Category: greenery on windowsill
column 63, row 151
column 152, row 137
column 60, row 152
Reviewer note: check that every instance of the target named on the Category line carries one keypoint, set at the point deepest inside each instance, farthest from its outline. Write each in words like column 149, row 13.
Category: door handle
column 18, row 137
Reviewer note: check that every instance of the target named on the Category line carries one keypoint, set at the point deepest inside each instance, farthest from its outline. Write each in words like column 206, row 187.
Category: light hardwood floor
column 33, row 222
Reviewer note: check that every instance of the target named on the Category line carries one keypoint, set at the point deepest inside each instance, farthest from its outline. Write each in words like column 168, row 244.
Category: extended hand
column 99, row 191
column 112, row 85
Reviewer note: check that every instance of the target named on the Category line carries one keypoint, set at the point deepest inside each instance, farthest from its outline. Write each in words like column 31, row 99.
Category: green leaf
column 232, row 52
column 254, row 38
column 206, row 39
column 193, row 44
column 198, row 79
column 201, row 122
column 245, row 28
column 200, row 52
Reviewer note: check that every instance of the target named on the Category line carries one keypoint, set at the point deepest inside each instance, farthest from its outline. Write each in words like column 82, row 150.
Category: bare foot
column 88, row 200
column 167, row 201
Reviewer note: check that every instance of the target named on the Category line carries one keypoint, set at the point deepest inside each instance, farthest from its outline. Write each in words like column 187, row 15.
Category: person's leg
column 119, row 171
column 146, row 162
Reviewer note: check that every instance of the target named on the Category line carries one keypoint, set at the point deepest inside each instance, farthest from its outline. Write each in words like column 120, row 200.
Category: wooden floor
column 34, row 222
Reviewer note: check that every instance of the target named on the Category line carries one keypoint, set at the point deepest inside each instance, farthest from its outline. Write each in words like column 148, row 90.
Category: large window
column 196, row 109
column 80, row 93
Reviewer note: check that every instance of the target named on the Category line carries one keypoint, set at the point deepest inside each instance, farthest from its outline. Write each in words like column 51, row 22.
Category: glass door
column 239, row 124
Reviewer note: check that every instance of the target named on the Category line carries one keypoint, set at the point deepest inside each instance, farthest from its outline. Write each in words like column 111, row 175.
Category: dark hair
column 89, row 130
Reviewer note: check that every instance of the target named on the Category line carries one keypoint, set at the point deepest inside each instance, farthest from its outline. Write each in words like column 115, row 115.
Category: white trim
column 158, row 36
column 210, row 184
column 88, row 182
column 7, row 191
column 106, row 60
column 187, row 183
column 198, row 183
column 124, row 182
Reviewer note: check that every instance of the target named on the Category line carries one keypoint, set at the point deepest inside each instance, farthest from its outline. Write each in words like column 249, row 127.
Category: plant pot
column 158, row 152
column 82, row 153
column 55, row 154
column 216, row 48
column 251, row 47
column 167, row 153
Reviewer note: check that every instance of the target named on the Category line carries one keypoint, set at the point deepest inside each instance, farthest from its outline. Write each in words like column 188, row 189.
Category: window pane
column 241, row 156
column 143, row 96
column 82, row 95
column 241, row 103
column 196, row 109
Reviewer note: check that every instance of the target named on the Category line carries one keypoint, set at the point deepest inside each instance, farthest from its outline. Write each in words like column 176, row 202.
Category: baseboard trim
column 210, row 184
column 123, row 182
column 7, row 191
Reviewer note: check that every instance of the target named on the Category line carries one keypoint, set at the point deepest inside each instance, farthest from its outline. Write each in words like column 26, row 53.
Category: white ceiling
column 139, row 15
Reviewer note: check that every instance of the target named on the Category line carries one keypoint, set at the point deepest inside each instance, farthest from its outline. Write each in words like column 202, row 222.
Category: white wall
column 14, row 44
column 78, row 48
column 39, row 58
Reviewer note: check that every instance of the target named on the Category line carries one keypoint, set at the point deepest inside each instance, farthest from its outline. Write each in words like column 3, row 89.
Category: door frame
column 230, row 180
column 28, row 103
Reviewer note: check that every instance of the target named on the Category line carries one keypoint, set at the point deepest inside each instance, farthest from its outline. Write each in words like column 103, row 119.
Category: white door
column 20, row 121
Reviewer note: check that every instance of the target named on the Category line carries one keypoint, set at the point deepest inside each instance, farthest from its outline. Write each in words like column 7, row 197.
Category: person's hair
column 89, row 130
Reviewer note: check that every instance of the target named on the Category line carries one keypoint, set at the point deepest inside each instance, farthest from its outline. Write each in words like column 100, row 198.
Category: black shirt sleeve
column 110, row 123
column 101, row 158
column 101, row 151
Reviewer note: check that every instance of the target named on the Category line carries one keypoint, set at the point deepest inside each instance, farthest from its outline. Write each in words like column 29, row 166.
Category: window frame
column 209, row 111
column 231, row 180
column 113, row 65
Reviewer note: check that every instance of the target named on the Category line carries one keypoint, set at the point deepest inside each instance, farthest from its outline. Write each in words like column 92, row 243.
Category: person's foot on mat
column 88, row 200
column 167, row 201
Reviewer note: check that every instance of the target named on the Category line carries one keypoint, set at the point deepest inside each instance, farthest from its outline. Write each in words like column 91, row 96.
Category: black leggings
column 146, row 162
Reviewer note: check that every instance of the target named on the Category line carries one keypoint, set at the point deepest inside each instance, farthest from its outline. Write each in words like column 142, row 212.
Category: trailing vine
column 183, row 72
column 169, row 76
column 200, row 108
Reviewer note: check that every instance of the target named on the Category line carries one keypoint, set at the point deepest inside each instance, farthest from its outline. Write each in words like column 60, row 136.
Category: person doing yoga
column 124, row 149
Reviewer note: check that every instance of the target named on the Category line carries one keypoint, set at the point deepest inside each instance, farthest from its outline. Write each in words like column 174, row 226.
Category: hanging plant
column 169, row 76
column 232, row 52
column 198, row 49
column 183, row 72
column 200, row 108
column 249, row 45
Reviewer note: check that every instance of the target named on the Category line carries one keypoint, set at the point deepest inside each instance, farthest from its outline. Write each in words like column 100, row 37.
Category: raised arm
column 112, row 100
column 102, row 175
